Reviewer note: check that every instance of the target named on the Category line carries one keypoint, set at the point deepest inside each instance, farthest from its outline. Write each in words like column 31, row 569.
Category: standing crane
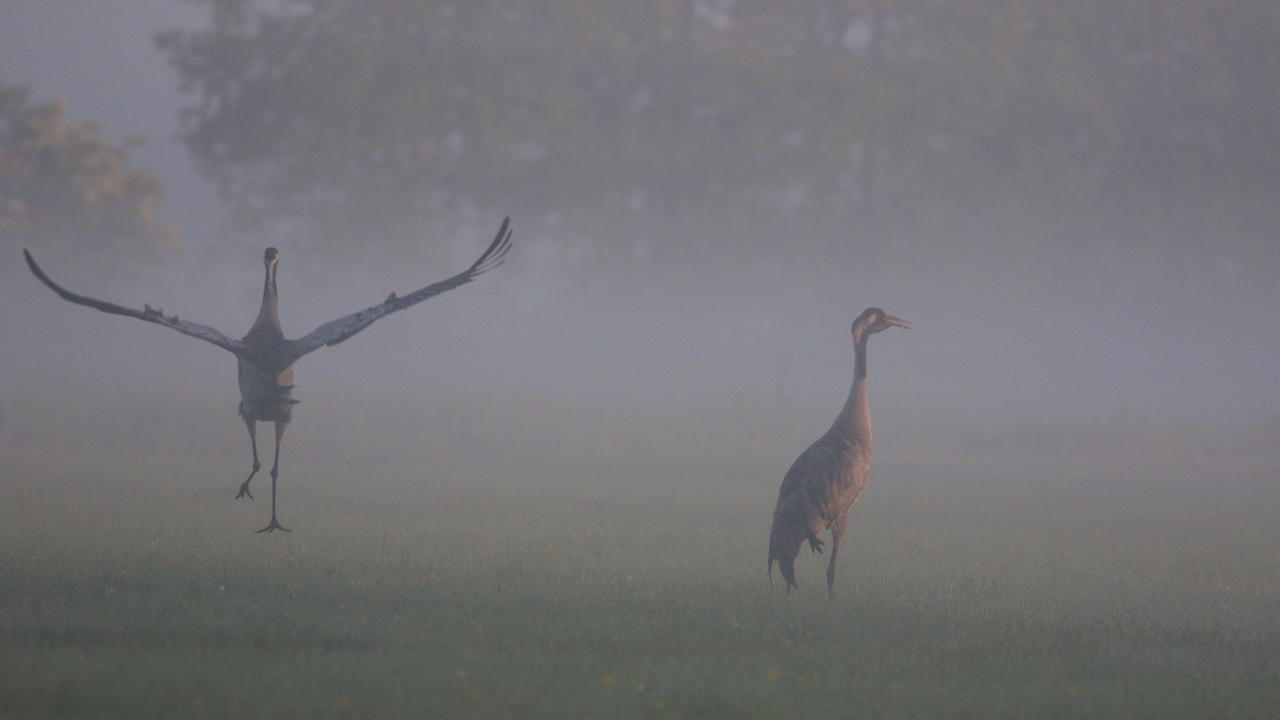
column 265, row 357
column 825, row 481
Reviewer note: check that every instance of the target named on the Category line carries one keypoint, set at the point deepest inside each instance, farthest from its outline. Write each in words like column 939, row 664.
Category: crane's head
column 874, row 320
column 270, row 256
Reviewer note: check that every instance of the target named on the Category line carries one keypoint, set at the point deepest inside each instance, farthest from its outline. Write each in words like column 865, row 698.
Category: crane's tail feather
column 785, row 539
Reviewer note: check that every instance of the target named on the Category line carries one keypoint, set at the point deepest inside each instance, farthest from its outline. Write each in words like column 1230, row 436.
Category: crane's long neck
column 269, row 313
column 854, row 420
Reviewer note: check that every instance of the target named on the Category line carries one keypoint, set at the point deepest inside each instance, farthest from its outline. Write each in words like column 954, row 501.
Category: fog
column 1107, row 358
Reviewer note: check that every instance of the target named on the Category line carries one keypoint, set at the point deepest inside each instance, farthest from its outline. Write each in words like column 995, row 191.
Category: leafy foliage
column 61, row 186
column 708, row 120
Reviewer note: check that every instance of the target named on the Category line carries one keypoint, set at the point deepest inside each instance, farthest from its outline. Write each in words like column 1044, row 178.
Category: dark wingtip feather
column 497, row 250
column 35, row 270
column 31, row 262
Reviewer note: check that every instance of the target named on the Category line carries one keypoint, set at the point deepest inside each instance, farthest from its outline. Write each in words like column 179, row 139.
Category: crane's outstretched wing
column 334, row 332
column 195, row 330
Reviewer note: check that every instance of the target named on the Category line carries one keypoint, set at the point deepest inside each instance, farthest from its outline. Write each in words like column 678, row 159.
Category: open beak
column 897, row 322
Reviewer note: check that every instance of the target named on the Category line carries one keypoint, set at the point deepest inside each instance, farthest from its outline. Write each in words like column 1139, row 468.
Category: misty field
column 128, row 594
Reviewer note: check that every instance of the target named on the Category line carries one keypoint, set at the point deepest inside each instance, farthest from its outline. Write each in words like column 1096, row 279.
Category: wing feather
column 813, row 463
column 335, row 331
column 195, row 330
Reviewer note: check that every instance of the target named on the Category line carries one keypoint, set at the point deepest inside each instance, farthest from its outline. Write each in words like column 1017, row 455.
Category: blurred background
column 1076, row 204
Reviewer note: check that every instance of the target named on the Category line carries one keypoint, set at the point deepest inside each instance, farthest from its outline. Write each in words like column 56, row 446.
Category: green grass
column 410, row 597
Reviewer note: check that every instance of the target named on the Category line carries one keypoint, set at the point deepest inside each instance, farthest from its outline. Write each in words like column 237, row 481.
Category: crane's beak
column 897, row 322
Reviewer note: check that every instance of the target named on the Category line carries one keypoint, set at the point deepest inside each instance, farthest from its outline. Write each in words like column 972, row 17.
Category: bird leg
column 275, row 473
column 815, row 545
column 253, row 441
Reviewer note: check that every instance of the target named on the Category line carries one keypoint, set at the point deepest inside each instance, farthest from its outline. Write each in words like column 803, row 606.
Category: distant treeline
column 63, row 186
column 661, row 129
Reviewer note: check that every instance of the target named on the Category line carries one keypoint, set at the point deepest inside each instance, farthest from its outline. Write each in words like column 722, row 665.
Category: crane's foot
column 815, row 545
column 274, row 525
column 244, row 491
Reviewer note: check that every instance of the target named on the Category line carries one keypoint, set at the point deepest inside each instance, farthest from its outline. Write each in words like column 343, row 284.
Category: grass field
column 126, row 594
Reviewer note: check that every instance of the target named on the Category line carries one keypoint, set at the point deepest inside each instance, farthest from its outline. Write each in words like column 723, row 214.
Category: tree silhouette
column 62, row 187
column 665, row 129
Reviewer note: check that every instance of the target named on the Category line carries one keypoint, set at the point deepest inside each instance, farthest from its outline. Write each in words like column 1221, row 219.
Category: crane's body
column 266, row 377
column 265, row 357
column 820, row 489
column 263, row 395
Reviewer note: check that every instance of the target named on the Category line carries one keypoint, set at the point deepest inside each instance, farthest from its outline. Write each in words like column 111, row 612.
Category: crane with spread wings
column 265, row 357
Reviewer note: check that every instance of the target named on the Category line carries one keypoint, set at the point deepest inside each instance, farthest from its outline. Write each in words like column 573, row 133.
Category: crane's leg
column 275, row 472
column 253, row 441
column 837, row 532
